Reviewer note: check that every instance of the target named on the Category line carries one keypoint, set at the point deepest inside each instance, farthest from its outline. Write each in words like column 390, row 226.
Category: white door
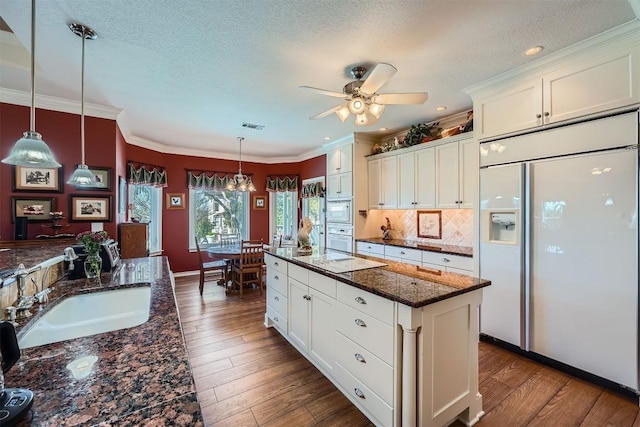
column 298, row 314
column 407, row 180
column 375, row 175
column 447, row 176
column 313, row 207
column 584, row 263
column 323, row 330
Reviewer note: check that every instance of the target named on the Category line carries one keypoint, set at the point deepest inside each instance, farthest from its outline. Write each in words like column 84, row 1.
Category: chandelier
column 240, row 182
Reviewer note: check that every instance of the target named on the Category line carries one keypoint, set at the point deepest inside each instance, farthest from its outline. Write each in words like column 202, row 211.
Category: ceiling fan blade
column 401, row 98
column 326, row 113
column 380, row 74
column 325, row 92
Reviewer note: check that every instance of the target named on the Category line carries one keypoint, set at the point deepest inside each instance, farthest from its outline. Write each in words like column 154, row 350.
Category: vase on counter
column 93, row 266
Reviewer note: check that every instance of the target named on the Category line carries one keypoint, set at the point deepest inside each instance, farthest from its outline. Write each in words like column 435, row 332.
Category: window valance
column 286, row 183
column 313, row 189
column 212, row 182
column 146, row 175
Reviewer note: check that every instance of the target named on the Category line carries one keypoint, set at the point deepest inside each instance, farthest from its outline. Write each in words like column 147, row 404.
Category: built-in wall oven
column 338, row 211
column 340, row 238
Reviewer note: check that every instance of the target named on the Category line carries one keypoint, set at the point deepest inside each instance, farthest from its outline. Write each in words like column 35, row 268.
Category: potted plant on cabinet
column 422, row 132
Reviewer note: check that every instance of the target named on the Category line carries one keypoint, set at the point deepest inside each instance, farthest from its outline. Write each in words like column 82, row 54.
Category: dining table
column 227, row 252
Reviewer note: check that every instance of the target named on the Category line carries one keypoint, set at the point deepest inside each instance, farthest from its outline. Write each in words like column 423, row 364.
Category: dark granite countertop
column 407, row 284
column 32, row 253
column 432, row 247
column 142, row 375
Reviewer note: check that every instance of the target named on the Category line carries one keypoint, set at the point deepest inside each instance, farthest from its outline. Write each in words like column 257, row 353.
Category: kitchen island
column 142, row 374
column 399, row 340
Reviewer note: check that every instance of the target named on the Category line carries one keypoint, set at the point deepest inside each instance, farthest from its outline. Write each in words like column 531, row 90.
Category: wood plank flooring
column 248, row 375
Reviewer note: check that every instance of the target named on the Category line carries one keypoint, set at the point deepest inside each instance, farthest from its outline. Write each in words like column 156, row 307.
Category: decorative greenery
column 417, row 132
column 92, row 240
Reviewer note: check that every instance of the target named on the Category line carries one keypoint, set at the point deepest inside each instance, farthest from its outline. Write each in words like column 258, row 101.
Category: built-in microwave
column 339, row 211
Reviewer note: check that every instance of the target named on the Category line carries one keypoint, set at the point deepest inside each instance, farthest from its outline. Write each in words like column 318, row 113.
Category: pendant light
column 240, row 182
column 31, row 150
column 82, row 176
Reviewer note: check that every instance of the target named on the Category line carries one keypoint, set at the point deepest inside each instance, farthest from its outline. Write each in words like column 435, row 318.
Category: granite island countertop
column 431, row 247
column 405, row 283
column 142, row 375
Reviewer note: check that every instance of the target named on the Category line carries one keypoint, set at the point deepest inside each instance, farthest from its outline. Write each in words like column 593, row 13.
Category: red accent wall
column 61, row 132
column 105, row 146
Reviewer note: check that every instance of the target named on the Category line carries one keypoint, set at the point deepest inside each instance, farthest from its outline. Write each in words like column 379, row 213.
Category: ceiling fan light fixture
column 357, row 105
column 361, row 119
column 376, row 109
column 343, row 113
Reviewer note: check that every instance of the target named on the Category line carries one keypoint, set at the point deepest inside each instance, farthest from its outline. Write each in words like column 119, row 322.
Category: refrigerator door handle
column 525, row 257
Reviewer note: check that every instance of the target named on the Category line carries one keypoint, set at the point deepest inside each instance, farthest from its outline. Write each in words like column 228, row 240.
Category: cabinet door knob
column 402, row 253
column 276, row 264
column 276, row 319
column 359, row 393
column 360, row 300
column 546, row 114
column 359, row 358
column 446, row 260
column 538, row 116
column 360, row 322
column 276, row 277
column 276, row 298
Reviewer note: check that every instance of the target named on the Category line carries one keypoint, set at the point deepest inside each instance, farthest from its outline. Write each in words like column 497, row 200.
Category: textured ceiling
column 187, row 73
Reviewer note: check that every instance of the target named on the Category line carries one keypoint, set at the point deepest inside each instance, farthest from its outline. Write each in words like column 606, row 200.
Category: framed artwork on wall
column 430, row 224
column 34, row 178
column 259, row 202
column 103, row 178
column 34, row 208
column 175, row 200
column 90, row 208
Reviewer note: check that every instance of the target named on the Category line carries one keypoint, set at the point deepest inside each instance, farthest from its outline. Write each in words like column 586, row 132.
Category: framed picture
column 103, row 178
column 175, row 200
column 430, row 224
column 259, row 202
column 122, row 195
column 34, row 178
column 34, row 208
column 90, row 208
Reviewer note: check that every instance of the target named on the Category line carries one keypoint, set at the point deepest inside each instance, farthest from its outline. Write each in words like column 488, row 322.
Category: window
column 284, row 214
column 313, row 207
column 217, row 213
column 146, row 202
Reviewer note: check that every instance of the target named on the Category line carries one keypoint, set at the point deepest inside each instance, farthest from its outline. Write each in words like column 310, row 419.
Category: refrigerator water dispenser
column 503, row 227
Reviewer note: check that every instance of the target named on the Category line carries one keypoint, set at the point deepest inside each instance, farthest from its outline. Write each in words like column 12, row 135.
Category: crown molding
column 45, row 102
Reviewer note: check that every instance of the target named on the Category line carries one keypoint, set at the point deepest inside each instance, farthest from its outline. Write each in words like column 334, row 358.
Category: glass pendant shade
column 31, row 150
column 361, row 119
column 83, row 177
column 376, row 110
column 240, row 182
column 343, row 113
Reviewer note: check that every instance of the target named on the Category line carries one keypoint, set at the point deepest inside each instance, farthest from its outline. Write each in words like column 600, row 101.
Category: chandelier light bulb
column 357, row 105
column 361, row 119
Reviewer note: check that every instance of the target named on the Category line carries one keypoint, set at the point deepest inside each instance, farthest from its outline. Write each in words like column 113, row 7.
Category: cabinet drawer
column 402, row 260
column 301, row 274
column 367, row 332
column 370, row 248
column 447, row 260
column 278, row 319
column 276, row 300
column 366, row 367
column 403, row 253
column 366, row 302
column 275, row 263
column 360, row 393
column 277, row 280
column 323, row 284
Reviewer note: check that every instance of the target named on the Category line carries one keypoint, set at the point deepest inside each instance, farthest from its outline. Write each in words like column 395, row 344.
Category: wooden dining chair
column 248, row 270
column 205, row 267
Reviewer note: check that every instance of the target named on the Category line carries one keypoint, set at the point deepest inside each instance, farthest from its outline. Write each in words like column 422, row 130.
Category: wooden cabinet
column 383, row 183
column 597, row 80
column 456, row 174
column 417, row 179
column 340, row 160
column 133, row 238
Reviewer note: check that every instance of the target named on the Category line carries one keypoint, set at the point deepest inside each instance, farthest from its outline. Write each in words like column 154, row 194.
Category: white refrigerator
column 559, row 242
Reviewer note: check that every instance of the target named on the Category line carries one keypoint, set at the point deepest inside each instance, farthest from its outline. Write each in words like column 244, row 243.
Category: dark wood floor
column 247, row 375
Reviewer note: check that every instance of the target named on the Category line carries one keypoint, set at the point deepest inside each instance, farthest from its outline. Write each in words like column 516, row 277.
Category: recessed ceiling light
column 533, row 51
column 327, row 138
column 441, row 108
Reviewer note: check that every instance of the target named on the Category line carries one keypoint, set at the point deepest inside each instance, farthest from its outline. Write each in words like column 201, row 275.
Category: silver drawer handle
column 446, row 260
column 276, row 264
column 402, row 253
column 359, row 358
column 276, row 298
column 360, row 300
column 360, row 322
column 276, row 278
column 276, row 319
column 359, row 393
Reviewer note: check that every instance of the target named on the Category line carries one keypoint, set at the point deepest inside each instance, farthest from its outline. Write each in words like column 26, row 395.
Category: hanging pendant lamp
column 240, row 182
column 31, row 150
column 82, row 176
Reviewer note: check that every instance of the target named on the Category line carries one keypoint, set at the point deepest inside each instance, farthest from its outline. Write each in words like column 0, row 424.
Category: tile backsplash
column 457, row 226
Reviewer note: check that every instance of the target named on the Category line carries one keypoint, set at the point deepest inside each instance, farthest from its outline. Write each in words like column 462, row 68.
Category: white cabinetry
column 417, row 179
column 340, row 160
column 406, row 255
column 370, row 249
column 447, row 262
column 340, row 186
column 277, row 306
column 383, row 183
column 595, row 80
column 456, row 171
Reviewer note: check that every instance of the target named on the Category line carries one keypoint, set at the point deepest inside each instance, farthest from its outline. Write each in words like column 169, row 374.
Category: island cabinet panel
column 377, row 307
column 277, row 293
column 298, row 314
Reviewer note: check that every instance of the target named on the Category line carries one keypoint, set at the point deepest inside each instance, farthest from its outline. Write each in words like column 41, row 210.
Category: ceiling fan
column 362, row 98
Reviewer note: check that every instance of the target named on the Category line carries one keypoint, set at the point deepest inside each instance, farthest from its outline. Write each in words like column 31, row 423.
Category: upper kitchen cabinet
column 340, row 159
column 417, row 179
column 339, row 186
column 456, row 174
column 383, row 183
column 591, row 78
